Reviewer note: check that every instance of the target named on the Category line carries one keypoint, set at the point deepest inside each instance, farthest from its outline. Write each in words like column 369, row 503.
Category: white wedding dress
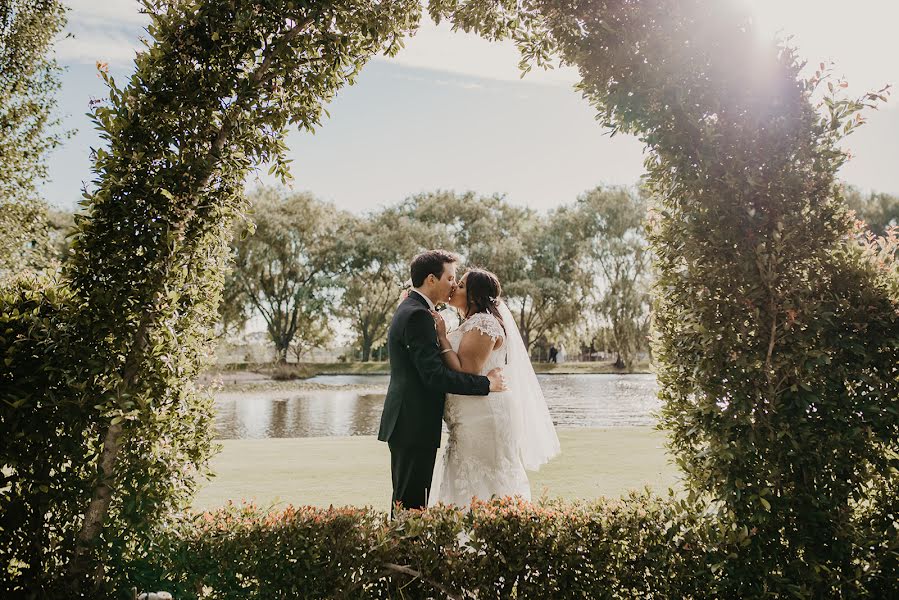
column 481, row 458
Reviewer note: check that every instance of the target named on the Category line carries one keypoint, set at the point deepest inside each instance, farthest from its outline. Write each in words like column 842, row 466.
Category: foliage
column 374, row 253
column 616, row 221
column 316, row 332
column 211, row 96
column 61, row 227
column 281, row 266
column 546, row 264
column 24, row 237
column 554, row 286
column 43, row 347
column 777, row 337
column 485, row 230
column 367, row 304
column 29, row 79
column 641, row 546
column 878, row 210
column 540, row 259
column 777, row 329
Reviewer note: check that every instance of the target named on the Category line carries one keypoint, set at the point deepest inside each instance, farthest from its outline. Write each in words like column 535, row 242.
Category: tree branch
column 418, row 575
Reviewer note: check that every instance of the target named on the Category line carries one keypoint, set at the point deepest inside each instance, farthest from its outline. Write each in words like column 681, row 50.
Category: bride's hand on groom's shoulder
column 497, row 380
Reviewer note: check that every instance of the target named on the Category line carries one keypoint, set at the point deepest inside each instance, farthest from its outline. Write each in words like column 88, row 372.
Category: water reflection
column 574, row 401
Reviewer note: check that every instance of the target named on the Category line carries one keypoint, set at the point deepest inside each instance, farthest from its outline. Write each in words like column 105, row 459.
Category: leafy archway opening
column 776, row 329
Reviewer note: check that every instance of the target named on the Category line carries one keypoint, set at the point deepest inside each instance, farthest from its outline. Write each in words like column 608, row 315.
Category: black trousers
column 411, row 469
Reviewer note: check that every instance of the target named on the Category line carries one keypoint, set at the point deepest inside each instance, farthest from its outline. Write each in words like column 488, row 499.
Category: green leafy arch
column 776, row 330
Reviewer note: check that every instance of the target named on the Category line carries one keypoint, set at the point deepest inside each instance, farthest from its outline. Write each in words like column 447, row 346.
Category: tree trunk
column 619, row 363
column 524, row 331
column 96, row 511
column 101, row 496
column 366, row 350
column 282, row 347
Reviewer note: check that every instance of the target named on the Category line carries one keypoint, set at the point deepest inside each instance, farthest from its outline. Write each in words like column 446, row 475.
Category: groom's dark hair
column 430, row 263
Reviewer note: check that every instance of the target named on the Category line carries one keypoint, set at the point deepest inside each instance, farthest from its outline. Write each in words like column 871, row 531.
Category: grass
column 356, row 470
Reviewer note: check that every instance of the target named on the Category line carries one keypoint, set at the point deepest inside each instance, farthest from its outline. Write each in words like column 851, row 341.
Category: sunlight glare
column 859, row 38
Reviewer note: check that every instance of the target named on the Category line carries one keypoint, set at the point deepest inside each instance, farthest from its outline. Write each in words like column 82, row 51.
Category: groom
column 419, row 382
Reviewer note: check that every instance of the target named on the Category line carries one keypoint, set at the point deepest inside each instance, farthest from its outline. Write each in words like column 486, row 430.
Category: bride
column 492, row 440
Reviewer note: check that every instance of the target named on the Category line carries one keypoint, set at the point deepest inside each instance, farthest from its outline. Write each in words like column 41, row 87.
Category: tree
column 128, row 327
column 282, row 268
column 554, row 285
column 778, row 332
column 61, row 226
column 375, row 252
column 316, row 333
column 539, row 259
column 29, row 80
column 878, row 210
column 24, row 240
column 615, row 219
column 485, row 230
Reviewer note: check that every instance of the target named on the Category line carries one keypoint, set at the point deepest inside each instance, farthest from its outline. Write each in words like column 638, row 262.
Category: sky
column 450, row 112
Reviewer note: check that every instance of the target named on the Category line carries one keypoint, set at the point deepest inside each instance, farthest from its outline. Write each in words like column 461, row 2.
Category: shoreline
column 296, row 376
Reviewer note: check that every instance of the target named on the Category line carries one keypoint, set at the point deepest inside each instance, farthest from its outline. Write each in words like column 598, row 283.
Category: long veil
column 532, row 427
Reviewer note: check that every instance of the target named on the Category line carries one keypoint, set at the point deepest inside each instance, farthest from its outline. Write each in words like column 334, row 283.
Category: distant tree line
column 878, row 210
column 579, row 272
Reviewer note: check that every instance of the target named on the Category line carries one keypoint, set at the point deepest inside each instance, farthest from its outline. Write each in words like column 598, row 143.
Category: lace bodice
column 488, row 325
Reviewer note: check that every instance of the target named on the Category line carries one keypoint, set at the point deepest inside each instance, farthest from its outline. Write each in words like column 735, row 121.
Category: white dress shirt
column 428, row 300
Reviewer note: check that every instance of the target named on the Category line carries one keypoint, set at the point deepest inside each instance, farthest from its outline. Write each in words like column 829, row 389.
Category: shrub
column 642, row 546
column 101, row 363
column 776, row 333
column 291, row 371
column 51, row 410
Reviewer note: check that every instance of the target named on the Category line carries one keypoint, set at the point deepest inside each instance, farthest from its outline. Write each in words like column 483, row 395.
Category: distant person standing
column 553, row 354
column 561, row 355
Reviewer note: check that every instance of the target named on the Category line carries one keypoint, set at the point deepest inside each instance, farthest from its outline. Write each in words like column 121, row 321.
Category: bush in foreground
column 641, row 546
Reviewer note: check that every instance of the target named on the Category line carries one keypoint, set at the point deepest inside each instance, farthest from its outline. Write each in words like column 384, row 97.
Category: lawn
column 356, row 470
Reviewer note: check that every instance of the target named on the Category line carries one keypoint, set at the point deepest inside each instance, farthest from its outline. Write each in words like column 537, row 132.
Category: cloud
column 109, row 31
column 106, row 12
column 106, row 31
column 90, row 46
column 438, row 47
column 862, row 47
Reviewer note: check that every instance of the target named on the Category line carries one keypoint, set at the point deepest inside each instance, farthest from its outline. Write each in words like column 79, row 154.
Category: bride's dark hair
column 483, row 293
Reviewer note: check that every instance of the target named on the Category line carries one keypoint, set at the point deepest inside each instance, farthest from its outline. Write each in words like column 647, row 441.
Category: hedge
column 640, row 546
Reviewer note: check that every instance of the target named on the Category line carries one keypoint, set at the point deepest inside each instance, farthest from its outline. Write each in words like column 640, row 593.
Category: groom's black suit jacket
column 419, row 381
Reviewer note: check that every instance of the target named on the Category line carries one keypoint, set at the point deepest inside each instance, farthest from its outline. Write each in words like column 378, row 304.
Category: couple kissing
column 477, row 378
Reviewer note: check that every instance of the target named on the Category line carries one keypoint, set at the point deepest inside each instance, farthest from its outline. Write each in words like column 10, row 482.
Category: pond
column 351, row 405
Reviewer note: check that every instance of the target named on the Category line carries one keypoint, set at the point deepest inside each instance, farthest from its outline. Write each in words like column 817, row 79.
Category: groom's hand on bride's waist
column 497, row 380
